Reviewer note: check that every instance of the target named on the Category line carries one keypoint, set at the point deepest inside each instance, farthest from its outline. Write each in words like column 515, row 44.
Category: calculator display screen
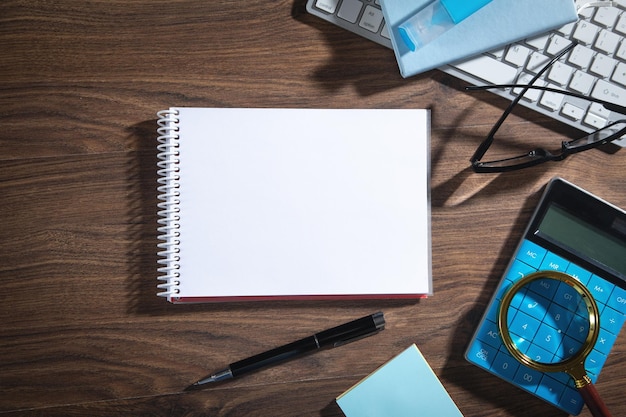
column 582, row 238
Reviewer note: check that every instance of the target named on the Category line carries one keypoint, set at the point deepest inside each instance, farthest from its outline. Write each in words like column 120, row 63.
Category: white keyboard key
column 551, row 100
column 488, row 69
column 327, row 5
column 573, row 112
column 603, row 65
column 594, row 121
column 372, row 18
column 609, row 92
column 599, row 110
column 557, row 44
column 531, row 95
column 581, row 56
column 517, row 55
column 567, row 29
column 498, row 53
column 607, row 41
column 621, row 25
column 606, row 16
column 385, row 32
column 560, row 73
column 581, row 82
column 536, row 62
column 585, row 32
column 619, row 76
column 350, row 10
column 621, row 3
column 621, row 52
column 538, row 42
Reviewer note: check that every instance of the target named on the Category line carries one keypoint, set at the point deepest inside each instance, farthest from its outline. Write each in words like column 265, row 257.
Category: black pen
column 334, row 337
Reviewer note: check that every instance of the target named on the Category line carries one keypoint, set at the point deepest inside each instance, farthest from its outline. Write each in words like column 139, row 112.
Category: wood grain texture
column 83, row 332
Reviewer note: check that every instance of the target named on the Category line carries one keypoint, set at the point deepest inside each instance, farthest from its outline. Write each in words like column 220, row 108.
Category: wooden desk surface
column 82, row 330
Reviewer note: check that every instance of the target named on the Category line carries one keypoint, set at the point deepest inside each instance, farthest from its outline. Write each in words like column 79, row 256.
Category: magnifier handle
column 593, row 401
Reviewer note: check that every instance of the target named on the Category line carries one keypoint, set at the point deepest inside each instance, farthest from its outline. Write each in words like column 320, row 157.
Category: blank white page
column 303, row 202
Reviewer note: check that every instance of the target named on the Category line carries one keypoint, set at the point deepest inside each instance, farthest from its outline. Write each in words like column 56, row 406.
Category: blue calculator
column 574, row 232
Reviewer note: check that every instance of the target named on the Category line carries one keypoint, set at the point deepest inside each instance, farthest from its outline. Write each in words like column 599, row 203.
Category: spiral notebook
column 257, row 204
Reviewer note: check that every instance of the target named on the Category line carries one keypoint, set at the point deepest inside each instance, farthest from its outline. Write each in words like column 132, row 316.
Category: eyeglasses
column 609, row 133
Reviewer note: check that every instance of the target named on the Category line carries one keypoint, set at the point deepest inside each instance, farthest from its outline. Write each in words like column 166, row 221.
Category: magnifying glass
column 549, row 321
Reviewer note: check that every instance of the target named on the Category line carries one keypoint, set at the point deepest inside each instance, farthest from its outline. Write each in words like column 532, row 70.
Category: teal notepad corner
column 406, row 386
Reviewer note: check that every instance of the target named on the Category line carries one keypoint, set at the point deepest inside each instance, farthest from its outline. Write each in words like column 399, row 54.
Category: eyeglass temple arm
column 482, row 148
column 607, row 104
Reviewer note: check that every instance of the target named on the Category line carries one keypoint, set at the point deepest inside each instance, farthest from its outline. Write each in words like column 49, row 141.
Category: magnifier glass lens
column 548, row 321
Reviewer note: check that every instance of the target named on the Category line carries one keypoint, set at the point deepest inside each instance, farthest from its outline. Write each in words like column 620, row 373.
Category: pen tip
column 193, row 387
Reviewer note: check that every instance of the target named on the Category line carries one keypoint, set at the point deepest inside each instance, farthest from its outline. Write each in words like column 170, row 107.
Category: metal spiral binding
column 169, row 205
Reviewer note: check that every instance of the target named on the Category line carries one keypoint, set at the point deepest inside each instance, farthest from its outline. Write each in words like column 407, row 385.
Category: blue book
column 405, row 386
column 496, row 24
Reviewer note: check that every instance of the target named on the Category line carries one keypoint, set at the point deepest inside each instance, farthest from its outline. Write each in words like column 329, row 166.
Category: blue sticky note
column 405, row 386
column 496, row 24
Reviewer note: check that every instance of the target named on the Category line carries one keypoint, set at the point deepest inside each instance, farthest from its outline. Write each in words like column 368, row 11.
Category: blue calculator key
column 518, row 270
column 617, row 300
column 524, row 326
column 531, row 254
column 612, row 320
column 579, row 328
column 568, row 348
column 544, row 286
column 605, row 341
column 559, row 317
column 527, row 378
column 579, row 273
column 553, row 262
column 572, row 401
column 548, row 338
column 505, row 365
column 538, row 354
column 566, row 296
column 490, row 334
column 600, row 289
column 482, row 354
column 535, row 305
column 594, row 363
column 550, row 389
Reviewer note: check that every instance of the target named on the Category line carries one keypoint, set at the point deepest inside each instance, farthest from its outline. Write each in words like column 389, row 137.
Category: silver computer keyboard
column 596, row 67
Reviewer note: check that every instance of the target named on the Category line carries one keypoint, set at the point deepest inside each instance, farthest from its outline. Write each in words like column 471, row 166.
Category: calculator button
column 605, row 341
column 524, row 326
column 505, row 365
column 538, row 354
column 594, row 363
column 566, row 296
column 554, row 262
column 572, row 401
column 579, row 273
column 579, row 328
column 531, row 253
column 490, row 334
column 545, row 286
column 535, row 305
column 519, row 270
column 547, row 338
column 600, row 288
column 617, row 300
column 482, row 354
column 527, row 378
column 612, row 320
column 550, row 389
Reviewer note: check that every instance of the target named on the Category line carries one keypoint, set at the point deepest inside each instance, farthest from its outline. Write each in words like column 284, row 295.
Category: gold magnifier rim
column 571, row 364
